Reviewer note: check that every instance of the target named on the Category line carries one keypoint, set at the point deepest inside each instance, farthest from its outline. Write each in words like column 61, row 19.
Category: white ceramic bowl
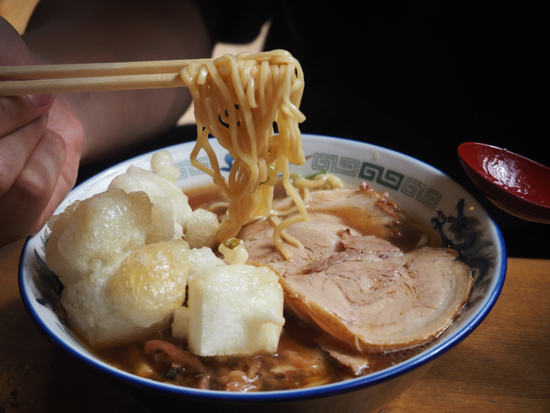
column 420, row 189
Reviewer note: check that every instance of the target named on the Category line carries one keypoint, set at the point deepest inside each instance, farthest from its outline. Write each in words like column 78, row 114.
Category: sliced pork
column 361, row 289
column 348, row 357
column 319, row 236
column 365, row 210
column 376, row 298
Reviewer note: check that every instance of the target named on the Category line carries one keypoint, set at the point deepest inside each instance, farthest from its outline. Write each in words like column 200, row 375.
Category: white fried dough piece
column 163, row 227
column 162, row 164
column 201, row 230
column 151, row 282
column 180, row 323
column 114, row 308
column 164, row 194
column 232, row 310
column 97, row 233
column 200, row 259
column 91, row 312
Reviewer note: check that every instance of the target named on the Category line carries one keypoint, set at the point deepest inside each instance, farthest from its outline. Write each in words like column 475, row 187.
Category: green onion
column 315, row 175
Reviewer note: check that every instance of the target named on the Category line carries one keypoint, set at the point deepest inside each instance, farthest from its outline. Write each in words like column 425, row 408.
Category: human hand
column 40, row 146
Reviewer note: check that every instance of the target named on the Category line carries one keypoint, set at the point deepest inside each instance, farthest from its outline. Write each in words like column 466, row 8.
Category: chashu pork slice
column 319, row 236
column 362, row 289
column 366, row 210
column 330, row 212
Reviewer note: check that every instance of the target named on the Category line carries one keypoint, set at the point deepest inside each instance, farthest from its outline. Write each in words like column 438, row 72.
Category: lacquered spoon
column 515, row 184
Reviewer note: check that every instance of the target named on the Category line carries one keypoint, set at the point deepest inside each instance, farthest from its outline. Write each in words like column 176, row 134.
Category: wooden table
column 504, row 366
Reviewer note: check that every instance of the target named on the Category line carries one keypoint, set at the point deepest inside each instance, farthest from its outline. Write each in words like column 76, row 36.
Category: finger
column 65, row 184
column 22, row 208
column 15, row 150
column 18, row 111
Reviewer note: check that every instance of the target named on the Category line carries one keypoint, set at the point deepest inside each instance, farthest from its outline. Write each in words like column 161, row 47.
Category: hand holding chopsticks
column 88, row 77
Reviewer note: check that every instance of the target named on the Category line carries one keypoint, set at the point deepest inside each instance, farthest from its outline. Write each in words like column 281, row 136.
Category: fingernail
column 41, row 100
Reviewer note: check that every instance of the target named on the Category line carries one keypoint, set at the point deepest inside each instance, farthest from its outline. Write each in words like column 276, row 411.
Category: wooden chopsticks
column 88, row 77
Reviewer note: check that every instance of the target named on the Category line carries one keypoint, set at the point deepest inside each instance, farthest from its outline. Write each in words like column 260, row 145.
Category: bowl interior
column 424, row 192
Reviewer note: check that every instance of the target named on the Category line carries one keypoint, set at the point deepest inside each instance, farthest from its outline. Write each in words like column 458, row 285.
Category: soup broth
column 298, row 363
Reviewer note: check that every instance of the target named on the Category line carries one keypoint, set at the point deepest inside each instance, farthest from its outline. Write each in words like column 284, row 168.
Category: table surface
column 503, row 366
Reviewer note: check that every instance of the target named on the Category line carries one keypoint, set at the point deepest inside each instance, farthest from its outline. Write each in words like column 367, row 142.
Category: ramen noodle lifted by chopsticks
column 237, row 99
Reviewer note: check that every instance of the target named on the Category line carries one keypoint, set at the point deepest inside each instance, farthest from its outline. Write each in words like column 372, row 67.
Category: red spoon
column 512, row 182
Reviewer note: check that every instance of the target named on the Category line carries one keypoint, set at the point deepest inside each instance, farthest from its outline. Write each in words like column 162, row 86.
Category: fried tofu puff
column 97, row 233
column 202, row 228
column 138, row 298
column 171, row 209
column 111, row 277
column 151, row 282
column 121, row 257
column 172, row 217
column 92, row 313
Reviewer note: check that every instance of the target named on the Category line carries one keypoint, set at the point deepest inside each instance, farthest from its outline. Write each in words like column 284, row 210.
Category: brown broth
column 297, row 356
column 302, row 363
column 203, row 195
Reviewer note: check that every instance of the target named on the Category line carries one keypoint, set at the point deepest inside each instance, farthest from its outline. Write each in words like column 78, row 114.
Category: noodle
column 237, row 99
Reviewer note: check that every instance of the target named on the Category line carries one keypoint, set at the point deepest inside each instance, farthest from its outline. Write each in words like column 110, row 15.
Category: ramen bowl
column 422, row 191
